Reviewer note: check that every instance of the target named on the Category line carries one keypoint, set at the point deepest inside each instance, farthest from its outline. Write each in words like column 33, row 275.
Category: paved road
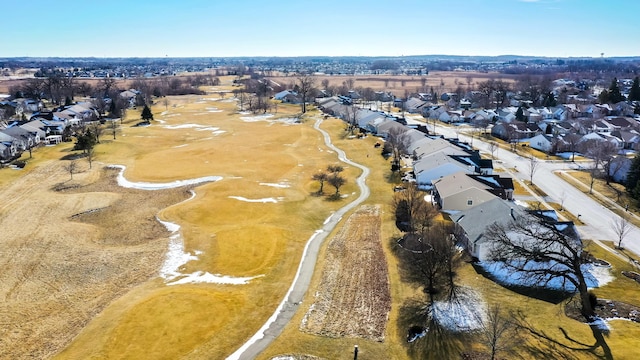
column 598, row 219
column 289, row 305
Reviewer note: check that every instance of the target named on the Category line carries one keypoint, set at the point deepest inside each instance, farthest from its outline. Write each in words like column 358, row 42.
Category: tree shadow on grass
column 393, row 177
column 566, row 347
column 74, row 156
column 544, row 294
column 437, row 342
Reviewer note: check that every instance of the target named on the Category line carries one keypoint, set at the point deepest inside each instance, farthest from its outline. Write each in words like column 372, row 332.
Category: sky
column 215, row 28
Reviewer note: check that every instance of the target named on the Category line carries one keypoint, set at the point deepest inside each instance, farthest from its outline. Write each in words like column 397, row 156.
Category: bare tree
column 397, row 144
column 602, row 152
column 106, row 84
column 540, row 250
column 498, row 331
column 533, row 167
column 493, row 147
column 336, row 181
column 572, row 141
column 306, row 83
column 90, row 153
column 351, row 113
column 96, row 130
column 563, row 197
column 622, row 227
column 413, row 212
column 334, row 169
column 71, row 168
column 325, row 84
column 113, row 125
column 320, row 177
column 429, row 258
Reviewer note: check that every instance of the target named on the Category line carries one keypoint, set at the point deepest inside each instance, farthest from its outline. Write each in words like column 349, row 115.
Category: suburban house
column 25, row 139
column 8, row 147
column 619, row 169
column 514, row 131
column 461, row 191
column 471, row 225
column 435, row 166
column 542, row 142
column 429, row 146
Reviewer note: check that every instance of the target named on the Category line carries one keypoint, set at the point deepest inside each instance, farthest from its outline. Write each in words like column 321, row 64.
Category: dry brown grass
column 139, row 315
column 440, row 81
column 60, row 270
column 353, row 298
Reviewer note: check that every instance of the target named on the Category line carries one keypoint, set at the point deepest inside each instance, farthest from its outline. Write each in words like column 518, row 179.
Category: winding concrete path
column 289, row 305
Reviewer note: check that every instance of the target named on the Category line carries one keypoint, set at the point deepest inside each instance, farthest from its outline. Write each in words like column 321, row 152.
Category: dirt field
column 60, row 270
column 441, row 81
column 353, row 298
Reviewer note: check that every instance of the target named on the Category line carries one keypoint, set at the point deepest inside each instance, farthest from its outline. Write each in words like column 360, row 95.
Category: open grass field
column 253, row 222
column 87, row 286
column 441, row 81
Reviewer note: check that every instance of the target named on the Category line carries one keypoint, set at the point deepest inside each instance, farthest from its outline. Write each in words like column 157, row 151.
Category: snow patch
column 521, row 203
column 122, row 181
column 206, row 277
column 183, row 126
column 595, row 276
column 265, row 200
column 601, row 324
column 276, row 185
column 176, row 257
column 466, row 312
column 256, row 118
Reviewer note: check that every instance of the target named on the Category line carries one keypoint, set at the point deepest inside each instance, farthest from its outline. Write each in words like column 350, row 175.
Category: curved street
column 289, row 305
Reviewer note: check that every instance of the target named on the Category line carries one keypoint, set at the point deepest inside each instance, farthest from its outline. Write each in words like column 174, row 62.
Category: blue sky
column 214, row 28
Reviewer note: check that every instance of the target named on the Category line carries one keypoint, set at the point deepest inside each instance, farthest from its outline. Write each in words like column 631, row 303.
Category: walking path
column 289, row 305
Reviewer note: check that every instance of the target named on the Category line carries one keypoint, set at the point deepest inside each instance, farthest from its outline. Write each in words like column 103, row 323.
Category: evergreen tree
column 520, row 114
column 634, row 93
column 550, row 100
column 146, row 114
column 633, row 178
column 603, row 98
column 85, row 141
column 614, row 92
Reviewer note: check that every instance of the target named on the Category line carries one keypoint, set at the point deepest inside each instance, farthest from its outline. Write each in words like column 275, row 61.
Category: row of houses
column 43, row 128
column 460, row 181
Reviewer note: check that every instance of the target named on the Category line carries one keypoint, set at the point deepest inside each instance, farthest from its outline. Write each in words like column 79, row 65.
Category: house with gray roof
column 471, row 226
column 459, row 191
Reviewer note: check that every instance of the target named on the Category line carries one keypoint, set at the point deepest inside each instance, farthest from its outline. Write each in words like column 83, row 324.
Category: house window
column 469, row 202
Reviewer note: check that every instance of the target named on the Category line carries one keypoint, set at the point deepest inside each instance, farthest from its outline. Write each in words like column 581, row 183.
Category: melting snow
column 183, row 126
column 176, row 257
column 256, row 118
column 122, row 181
column 595, row 276
column 206, row 277
column 278, row 185
column 265, row 200
column 466, row 312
